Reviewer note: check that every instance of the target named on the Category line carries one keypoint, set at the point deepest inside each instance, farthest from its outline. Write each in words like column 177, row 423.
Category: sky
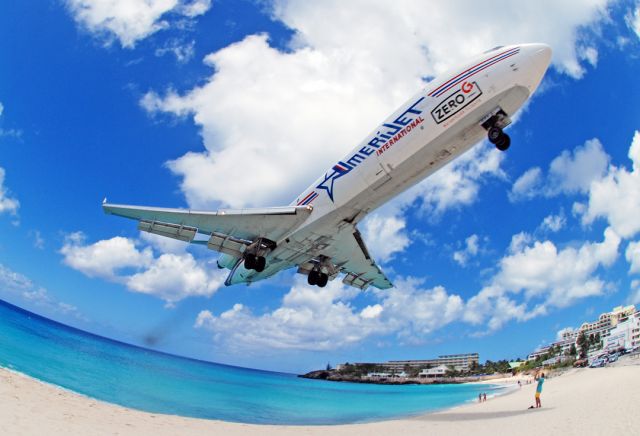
column 199, row 103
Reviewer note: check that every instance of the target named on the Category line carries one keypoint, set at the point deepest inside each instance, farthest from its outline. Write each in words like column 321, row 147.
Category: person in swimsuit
column 539, row 389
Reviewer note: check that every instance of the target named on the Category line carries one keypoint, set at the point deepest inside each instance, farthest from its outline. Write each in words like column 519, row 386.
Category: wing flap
column 351, row 254
column 175, row 231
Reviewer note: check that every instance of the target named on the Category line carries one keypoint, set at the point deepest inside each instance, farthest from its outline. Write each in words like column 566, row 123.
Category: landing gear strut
column 317, row 278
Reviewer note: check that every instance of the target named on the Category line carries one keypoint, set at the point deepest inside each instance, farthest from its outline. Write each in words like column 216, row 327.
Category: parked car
column 613, row 357
column 597, row 363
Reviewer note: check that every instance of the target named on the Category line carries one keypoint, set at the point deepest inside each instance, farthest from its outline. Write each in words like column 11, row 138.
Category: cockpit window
column 494, row 49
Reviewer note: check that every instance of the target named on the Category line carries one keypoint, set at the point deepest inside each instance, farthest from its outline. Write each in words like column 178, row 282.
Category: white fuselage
column 439, row 123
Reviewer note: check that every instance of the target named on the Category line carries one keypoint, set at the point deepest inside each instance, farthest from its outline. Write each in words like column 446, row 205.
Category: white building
column 622, row 324
column 626, row 334
column 438, row 371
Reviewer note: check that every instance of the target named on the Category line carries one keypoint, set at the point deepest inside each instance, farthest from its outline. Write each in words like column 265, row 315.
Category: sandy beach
column 580, row 402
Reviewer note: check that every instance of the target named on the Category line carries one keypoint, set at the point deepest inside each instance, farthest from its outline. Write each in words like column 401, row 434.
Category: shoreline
column 584, row 401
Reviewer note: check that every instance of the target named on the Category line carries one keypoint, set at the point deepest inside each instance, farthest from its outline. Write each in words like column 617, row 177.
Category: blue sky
column 174, row 102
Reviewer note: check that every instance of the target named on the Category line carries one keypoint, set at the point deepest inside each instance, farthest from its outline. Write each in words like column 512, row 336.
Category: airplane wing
column 230, row 230
column 350, row 254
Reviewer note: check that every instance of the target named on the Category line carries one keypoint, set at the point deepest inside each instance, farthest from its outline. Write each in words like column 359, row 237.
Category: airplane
column 317, row 233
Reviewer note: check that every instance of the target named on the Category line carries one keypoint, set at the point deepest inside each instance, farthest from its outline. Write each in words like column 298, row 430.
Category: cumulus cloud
column 633, row 257
column 545, row 277
column 171, row 276
column 470, row 250
column 131, row 20
column 8, row 204
column 616, row 196
column 572, row 172
column 285, row 111
column 527, row 186
column 385, row 235
column 104, row 258
column 325, row 319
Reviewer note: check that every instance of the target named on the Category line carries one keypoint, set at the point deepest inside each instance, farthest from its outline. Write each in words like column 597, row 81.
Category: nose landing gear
column 501, row 140
column 494, row 122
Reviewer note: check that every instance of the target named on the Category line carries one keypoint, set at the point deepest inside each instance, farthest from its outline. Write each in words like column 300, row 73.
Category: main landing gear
column 317, row 278
column 254, row 254
column 497, row 137
column 257, row 263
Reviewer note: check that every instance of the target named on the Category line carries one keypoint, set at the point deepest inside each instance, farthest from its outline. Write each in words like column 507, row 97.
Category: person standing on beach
column 539, row 389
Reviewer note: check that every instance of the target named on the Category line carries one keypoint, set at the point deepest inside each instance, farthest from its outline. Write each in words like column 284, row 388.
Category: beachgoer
column 519, row 384
column 539, row 389
column 484, row 397
column 480, row 398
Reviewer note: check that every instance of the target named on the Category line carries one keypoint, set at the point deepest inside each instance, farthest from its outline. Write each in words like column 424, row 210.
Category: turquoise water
column 160, row 383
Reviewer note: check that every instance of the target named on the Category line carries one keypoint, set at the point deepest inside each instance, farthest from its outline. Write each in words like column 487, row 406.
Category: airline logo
column 388, row 134
column 454, row 103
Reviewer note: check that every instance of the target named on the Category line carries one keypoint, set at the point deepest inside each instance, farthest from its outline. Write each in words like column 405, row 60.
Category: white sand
column 581, row 402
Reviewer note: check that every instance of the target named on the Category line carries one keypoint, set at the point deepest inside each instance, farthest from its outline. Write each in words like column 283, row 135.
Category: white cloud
column 634, row 295
column 561, row 332
column 131, row 20
column 172, row 276
column 569, row 173
column 324, row 319
column 616, row 196
column 385, row 235
column 572, row 173
column 633, row 21
column 17, row 284
column 470, row 250
column 104, row 258
column 38, row 240
column 183, row 51
column 8, row 204
column 553, row 223
column 633, row 257
column 545, row 276
column 527, row 186
column 286, row 109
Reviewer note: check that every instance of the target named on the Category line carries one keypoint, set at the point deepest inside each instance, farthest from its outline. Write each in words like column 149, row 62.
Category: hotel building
column 460, row 362
column 622, row 324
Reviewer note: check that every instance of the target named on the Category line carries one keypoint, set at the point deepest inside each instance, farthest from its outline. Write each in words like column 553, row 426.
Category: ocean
column 156, row 382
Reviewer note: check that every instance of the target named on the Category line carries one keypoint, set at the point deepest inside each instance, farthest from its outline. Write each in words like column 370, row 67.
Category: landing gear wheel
column 312, row 278
column 322, row 280
column 504, row 142
column 494, row 134
column 250, row 261
column 261, row 263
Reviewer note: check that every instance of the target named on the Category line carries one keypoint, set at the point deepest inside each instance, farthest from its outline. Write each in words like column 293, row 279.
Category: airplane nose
column 540, row 56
